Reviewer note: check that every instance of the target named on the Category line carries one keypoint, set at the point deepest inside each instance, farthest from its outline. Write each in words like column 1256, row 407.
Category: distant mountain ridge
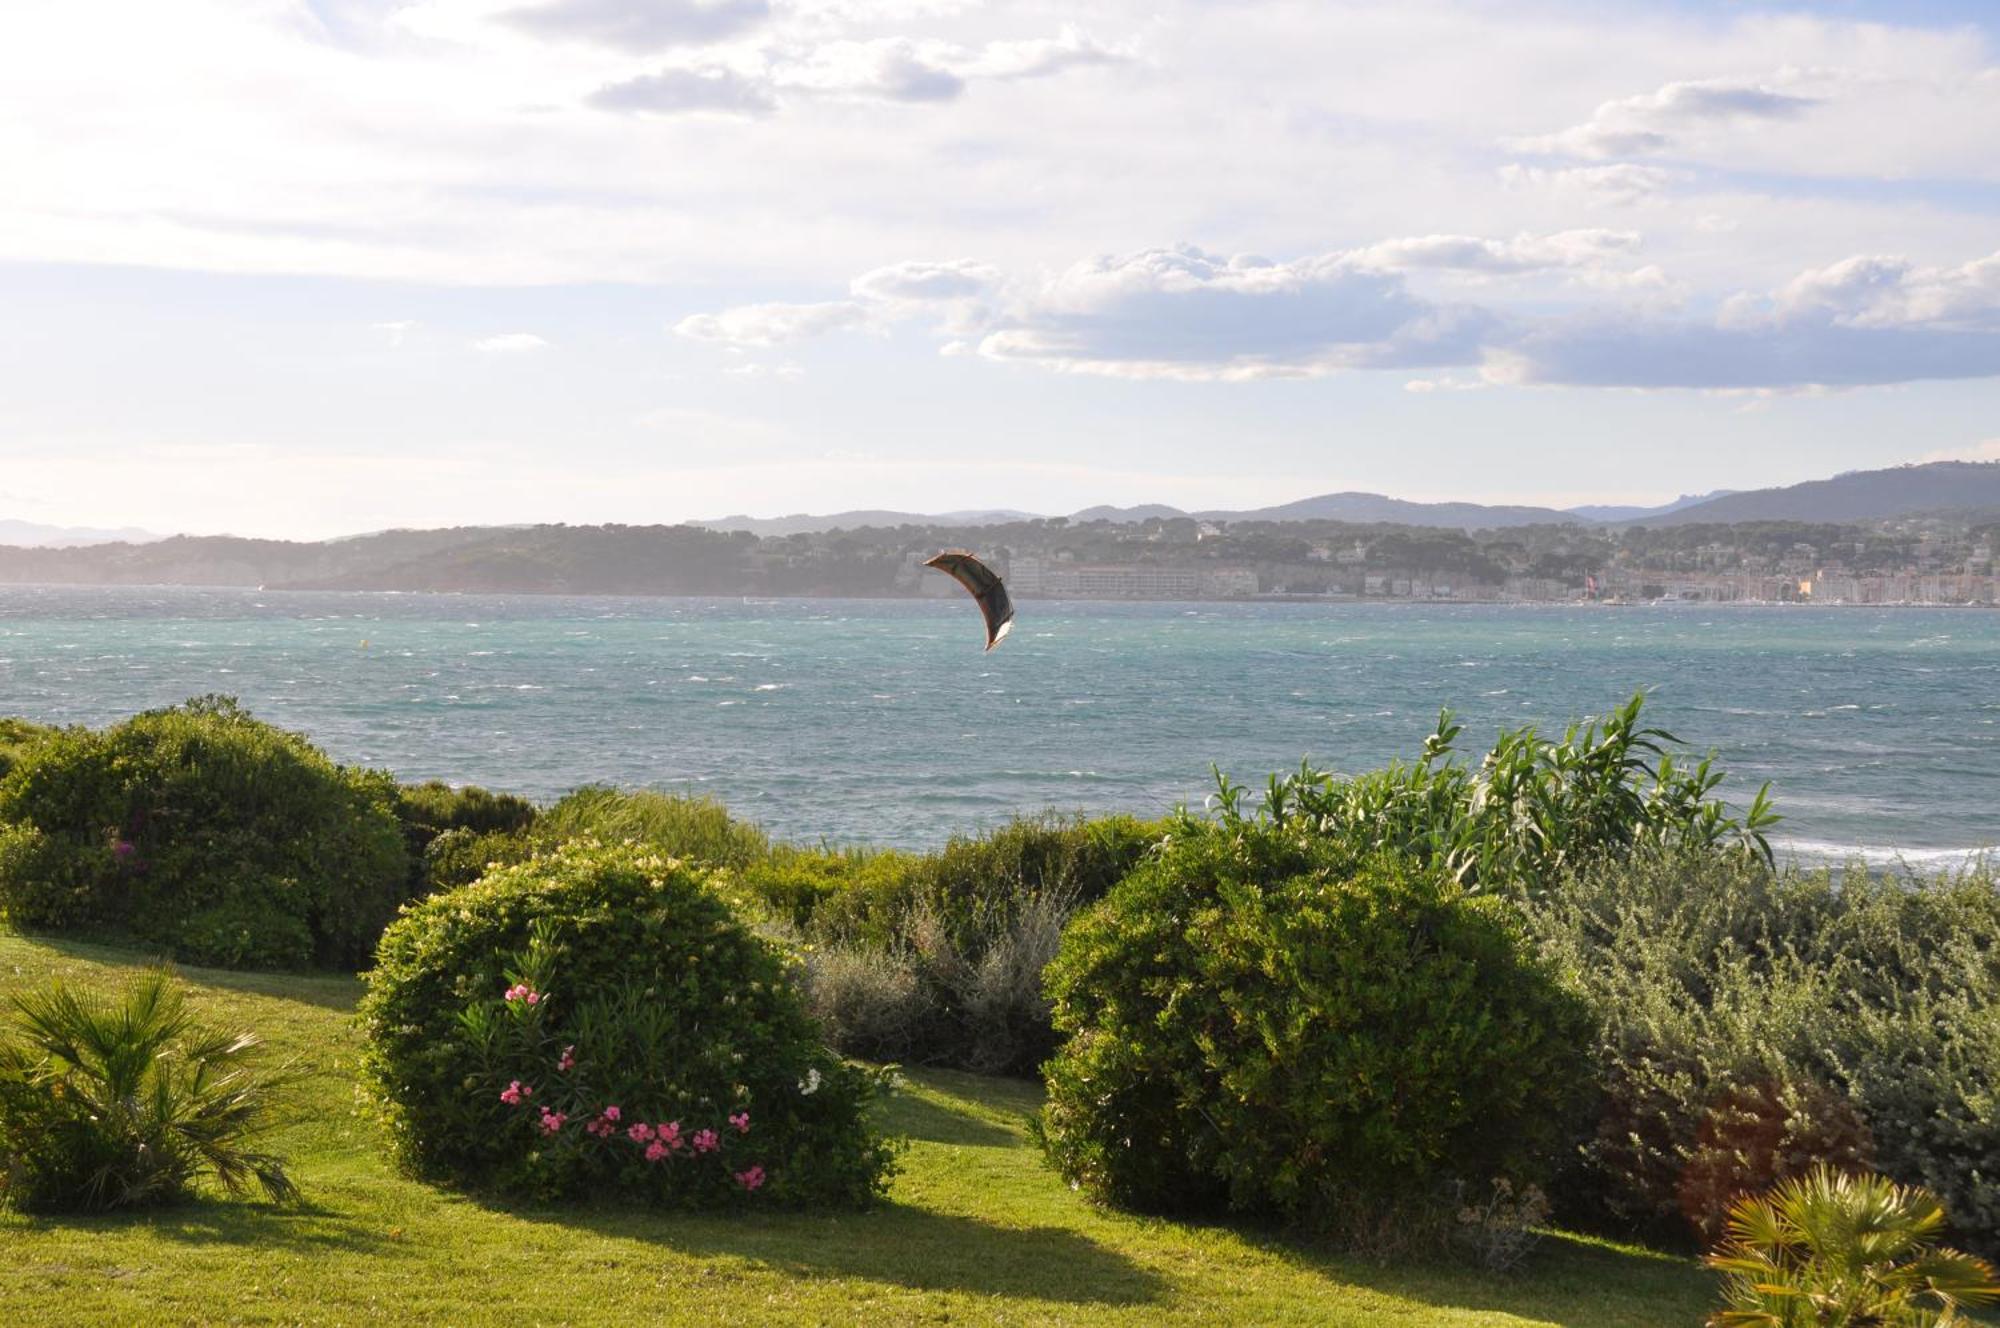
column 800, row 523
column 35, row 535
column 1622, row 514
column 1858, row 495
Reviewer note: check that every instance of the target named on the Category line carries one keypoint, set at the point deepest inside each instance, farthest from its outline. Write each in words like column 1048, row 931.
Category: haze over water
column 882, row 722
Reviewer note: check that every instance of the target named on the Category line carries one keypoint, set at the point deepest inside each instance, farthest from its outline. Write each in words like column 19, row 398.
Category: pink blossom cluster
column 567, row 1060
column 524, row 993
column 659, row 1142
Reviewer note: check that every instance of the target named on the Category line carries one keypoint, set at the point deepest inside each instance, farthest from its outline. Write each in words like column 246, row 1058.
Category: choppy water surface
column 882, row 721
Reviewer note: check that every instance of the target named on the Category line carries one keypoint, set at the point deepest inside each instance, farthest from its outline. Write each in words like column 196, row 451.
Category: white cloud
column 510, row 343
column 1654, row 121
column 1039, row 57
column 1985, row 451
column 1523, row 253
column 640, row 26
column 1618, row 185
column 684, row 91
column 766, row 325
column 1182, row 313
column 963, row 279
column 1875, row 291
column 396, row 332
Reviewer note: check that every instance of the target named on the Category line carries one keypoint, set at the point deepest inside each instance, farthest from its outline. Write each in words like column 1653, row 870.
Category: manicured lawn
column 977, row 1233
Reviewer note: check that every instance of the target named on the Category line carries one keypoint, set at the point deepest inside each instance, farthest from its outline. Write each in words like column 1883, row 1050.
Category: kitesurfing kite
column 987, row 591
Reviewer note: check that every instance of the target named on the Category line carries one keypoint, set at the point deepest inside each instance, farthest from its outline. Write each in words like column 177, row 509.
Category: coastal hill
column 1858, row 495
column 1963, row 487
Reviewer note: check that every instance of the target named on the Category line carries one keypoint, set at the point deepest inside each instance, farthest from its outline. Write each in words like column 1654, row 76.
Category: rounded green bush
column 1251, row 1020
column 597, row 1022
column 199, row 830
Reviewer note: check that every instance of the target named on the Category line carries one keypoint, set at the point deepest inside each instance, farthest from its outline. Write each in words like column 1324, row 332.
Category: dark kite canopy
column 987, row 591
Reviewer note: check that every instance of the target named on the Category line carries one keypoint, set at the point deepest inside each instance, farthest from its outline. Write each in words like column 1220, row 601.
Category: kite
column 987, row 591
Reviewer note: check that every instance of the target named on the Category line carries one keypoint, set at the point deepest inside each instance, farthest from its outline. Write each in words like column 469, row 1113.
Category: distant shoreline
column 934, row 597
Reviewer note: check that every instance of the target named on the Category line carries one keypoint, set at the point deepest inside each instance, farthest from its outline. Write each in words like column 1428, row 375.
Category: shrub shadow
column 1567, row 1281
column 929, row 1121
column 896, row 1245
column 322, row 988
column 304, row 1227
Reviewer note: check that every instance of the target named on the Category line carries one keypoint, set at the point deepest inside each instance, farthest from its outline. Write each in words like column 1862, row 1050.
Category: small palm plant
column 125, row 1102
column 1827, row 1250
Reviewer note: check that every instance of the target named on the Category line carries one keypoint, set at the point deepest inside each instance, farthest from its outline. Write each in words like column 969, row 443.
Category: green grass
column 977, row 1233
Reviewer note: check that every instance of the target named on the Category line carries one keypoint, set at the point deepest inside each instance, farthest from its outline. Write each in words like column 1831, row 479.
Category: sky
column 302, row 268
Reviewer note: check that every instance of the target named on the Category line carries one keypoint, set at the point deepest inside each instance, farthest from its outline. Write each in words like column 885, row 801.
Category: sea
column 885, row 722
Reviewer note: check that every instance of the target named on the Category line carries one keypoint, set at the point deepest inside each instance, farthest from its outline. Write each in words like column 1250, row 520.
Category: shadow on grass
column 1569, row 1281
column 299, row 1227
column 896, row 1245
column 930, row 1121
column 327, row 990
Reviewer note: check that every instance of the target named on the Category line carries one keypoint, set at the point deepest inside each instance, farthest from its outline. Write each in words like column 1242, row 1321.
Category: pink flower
column 640, row 1132
column 568, row 1058
column 750, row 1179
column 534, row 998
column 552, row 1121
column 598, row 1129
column 741, row 1120
column 706, row 1142
column 670, row 1134
column 516, row 1093
column 655, row 1151
column 611, row 1113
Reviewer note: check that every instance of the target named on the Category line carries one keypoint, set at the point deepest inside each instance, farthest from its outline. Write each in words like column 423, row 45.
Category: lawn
column 977, row 1232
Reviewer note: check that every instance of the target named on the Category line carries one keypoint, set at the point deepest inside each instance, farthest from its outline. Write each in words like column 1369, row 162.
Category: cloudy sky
column 307, row 267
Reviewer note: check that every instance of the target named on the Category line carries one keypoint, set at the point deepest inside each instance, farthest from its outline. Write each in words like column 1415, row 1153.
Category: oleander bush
column 1256, row 1019
column 201, row 831
column 1752, row 1023
column 598, row 1022
column 128, row 1102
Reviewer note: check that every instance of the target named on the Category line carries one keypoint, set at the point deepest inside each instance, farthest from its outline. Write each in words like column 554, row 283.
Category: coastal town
column 1921, row 563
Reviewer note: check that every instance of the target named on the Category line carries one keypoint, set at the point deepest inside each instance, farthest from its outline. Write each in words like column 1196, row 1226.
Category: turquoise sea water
column 883, row 722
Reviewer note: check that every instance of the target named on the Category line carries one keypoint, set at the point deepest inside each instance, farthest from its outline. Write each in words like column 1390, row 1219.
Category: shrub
column 204, row 832
column 453, row 833
column 434, row 807
column 937, row 958
column 1844, row 1251
column 868, row 998
column 1253, row 1019
column 1752, row 1023
column 16, row 737
column 460, row 857
column 597, row 1022
column 698, row 829
column 1531, row 810
column 119, row 1104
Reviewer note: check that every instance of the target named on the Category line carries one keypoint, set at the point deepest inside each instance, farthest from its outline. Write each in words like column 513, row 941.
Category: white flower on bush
column 810, row 1084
